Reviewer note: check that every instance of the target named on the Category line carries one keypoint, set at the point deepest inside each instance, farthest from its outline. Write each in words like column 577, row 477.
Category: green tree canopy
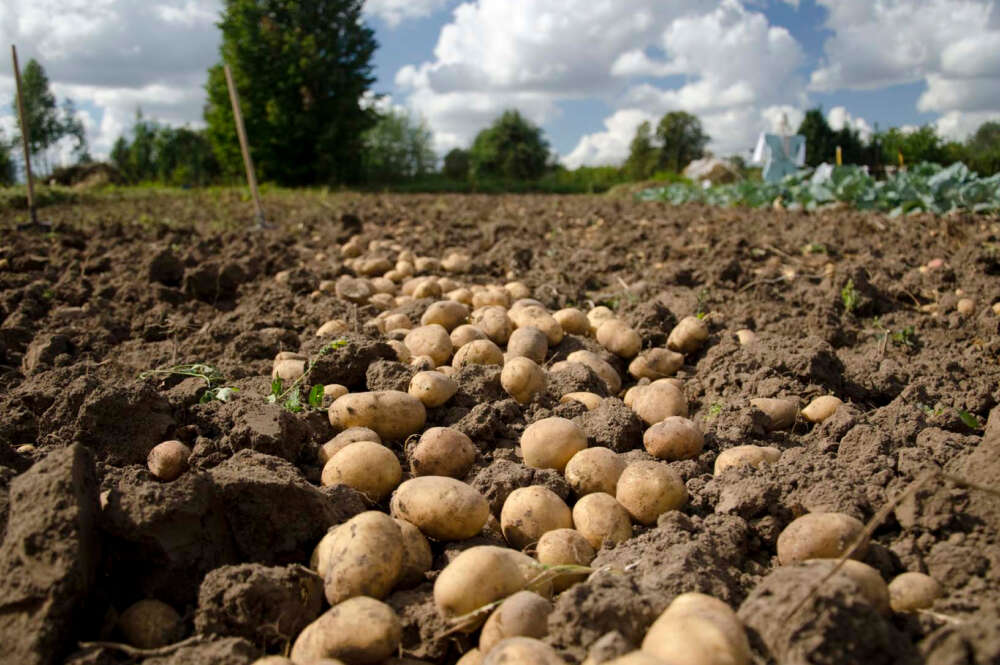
column 512, row 148
column 301, row 69
column 170, row 155
column 920, row 145
column 643, row 156
column 397, row 147
column 7, row 171
column 821, row 140
column 682, row 140
column 982, row 150
column 456, row 164
column 48, row 124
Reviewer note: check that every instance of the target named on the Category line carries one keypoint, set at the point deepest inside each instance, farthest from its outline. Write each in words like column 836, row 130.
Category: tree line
column 304, row 72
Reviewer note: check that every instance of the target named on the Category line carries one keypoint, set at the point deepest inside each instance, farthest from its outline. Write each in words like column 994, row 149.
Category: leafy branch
column 213, row 378
column 290, row 398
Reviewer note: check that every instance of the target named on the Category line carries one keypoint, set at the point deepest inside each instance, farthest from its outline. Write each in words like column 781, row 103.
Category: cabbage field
column 923, row 188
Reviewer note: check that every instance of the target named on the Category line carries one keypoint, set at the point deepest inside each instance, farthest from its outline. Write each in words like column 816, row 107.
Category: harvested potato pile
column 403, row 437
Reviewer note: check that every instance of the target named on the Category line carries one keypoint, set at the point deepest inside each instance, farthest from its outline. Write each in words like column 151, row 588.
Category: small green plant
column 849, row 296
column 213, row 378
column 935, row 410
column 714, row 411
column 290, row 398
column 969, row 420
column 702, row 310
column 814, row 248
column 904, row 337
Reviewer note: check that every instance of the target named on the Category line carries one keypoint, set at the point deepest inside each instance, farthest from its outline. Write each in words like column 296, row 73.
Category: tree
column 512, row 148
column 982, row 150
column 397, row 147
column 301, row 69
column 642, row 154
column 821, row 140
column 170, row 155
column 919, row 145
column 456, row 164
column 682, row 140
column 8, row 173
column 48, row 124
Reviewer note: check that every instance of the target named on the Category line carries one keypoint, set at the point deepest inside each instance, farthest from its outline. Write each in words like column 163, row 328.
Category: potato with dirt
column 538, row 317
column 168, row 460
column 528, row 342
column 599, row 518
column 392, row 414
column 364, row 557
column 366, row 466
column 594, row 470
column 150, row 623
column 912, row 592
column 738, row 456
column 688, row 335
column 530, row 512
column 674, row 438
column 357, row 631
column 619, row 338
column 430, row 340
column 550, row 443
column 434, row 389
column 655, row 364
column 477, row 577
column 600, row 366
column 821, row 536
column 649, row 489
column 522, row 379
column 448, row 314
column 565, row 547
column 442, row 451
column 478, row 352
column 658, row 401
column 700, row 630
column 442, row 508
column 524, row 614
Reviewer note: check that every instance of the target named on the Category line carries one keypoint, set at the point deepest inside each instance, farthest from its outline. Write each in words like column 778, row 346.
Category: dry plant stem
column 880, row 516
column 143, row 653
column 25, row 138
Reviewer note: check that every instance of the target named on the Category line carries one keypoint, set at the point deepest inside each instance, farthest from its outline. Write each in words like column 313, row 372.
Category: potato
column 332, row 391
column 432, row 340
column 522, row 651
column 320, row 557
column 384, row 286
column 344, row 439
column 356, row 290
column 527, row 302
column 423, row 363
column 477, row 577
column 461, row 295
column 745, row 456
column 599, row 518
column 442, row 508
column 655, row 364
column 464, row 334
column 398, row 322
column 366, row 466
column 491, row 296
column 517, row 290
column 403, row 354
column 597, row 316
column 446, row 313
column 619, row 338
column 633, row 658
column 448, row 284
column 150, row 623
column 494, row 322
column 456, row 262
column 392, row 414
column 781, row 413
column 821, row 408
column 471, row 657
column 427, row 288
column 868, row 580
column 594, row 470
column 600, row 366
column 589, row 400
column 522, row 379
column 699, row 630
column 358, row 631
column 288, row 369
column 550, row 443
column 417, row 555
column 565, row 547
column 281, row 660
column 746, row 337
column 168, row 460
column 405, row 267
column 442, row 451
column 688, row 335
column 373, row 266
column 820, row 536
column 528, row 342
column 331, row 328
column 966, row 306
column 524, row 614
column 537, row 317
column 910, row 592
column 649, row 489
column 478, row 352
column 364, row 557
column 572, row 321
column 530, row 512
column 659, row 401
column 432, row 388
column 674, row 438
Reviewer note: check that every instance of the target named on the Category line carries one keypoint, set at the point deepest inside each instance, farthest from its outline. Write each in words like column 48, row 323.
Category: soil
column 842, row 303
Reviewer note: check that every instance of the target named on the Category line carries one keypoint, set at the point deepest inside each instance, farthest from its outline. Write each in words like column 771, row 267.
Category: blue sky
column 587, row 71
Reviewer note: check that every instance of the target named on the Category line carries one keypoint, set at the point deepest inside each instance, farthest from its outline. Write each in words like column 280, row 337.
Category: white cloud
column 500, row 53
column 394, row 12
column 957, row 126
column 839, row 117
column 951, row 45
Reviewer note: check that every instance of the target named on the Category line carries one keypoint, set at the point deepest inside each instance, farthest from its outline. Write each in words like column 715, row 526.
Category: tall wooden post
column 241, row 132
column 25, row 138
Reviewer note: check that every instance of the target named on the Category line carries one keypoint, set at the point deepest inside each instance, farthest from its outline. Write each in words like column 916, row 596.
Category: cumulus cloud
column 500, row 53
column 839, row 117
column 951, row 45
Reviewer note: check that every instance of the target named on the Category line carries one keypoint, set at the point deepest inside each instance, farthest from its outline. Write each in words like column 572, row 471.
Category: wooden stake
column 25, row 139
column 241, row 132
column 840, row 157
